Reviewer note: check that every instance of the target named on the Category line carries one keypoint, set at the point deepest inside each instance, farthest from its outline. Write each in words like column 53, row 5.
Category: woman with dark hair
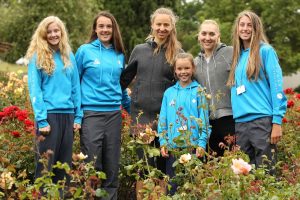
column 100, row 63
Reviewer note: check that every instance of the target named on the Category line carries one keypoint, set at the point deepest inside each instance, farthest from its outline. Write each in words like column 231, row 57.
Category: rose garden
column 229, row 177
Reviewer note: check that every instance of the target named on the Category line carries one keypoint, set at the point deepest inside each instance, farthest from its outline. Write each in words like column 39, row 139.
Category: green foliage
column 22, row 18
column 281, row 29
column 134, row 18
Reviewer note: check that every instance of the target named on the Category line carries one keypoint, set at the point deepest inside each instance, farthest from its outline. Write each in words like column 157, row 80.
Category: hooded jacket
column 55, row 93
column 261, row 98
column 213, row 75
column 153, row 76
column 180, row 107
column 99, row 70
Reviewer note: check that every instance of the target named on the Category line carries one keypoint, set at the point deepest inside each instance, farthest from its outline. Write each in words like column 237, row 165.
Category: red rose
column 29, row 125
column 21, row 115
column 28, row 122
column 9, row 110
column 298, row 96
column 289, row 91
column 15, row 134
column 124, row 115
column 284, row 120
column 290, row 103
column 2, row 115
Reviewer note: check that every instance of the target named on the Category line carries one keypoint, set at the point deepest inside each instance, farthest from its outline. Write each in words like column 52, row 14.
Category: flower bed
column 229, row 177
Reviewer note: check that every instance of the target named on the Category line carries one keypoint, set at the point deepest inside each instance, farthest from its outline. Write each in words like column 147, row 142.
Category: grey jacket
column 213, row 75
column 153, row 76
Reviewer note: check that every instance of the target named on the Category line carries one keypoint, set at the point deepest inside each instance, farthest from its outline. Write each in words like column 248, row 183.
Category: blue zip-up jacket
column 99, row 70
column 264, row 97
column 56, row 93
column 190, row 102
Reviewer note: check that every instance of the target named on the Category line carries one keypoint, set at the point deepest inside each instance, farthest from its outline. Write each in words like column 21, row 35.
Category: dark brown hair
column 116, row 34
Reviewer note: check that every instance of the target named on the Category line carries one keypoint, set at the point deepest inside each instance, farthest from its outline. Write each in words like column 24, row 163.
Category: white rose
column 185, row 158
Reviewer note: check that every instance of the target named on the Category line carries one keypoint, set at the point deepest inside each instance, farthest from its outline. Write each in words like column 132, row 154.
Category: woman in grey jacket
column 151, row 64
column 213, row 66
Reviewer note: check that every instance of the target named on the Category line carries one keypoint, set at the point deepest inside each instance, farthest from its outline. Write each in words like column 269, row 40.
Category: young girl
column 213, row 65
column 54, row 93
column 100, row 63
column 180, row 102
column 151, row 64
column 258, row 101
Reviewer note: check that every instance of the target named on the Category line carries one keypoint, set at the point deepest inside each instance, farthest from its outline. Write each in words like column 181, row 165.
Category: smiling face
column 53, row 35
column 162, row 27
column 104, row 30
column 184, row 71
column 245, row 28
column 208, row 37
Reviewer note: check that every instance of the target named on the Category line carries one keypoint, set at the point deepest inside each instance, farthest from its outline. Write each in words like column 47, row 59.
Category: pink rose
column 239, row 166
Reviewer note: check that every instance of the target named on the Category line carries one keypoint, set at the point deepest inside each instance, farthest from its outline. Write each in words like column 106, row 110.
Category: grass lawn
column 9, row 67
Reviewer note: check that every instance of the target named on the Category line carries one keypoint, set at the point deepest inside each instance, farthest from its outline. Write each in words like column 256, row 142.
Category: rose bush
column 227, row 177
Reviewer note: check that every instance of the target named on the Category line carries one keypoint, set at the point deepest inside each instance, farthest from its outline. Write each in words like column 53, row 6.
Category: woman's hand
column 200, row 152
column 276, row 133
column 76, row 127
column 45, row 130
column 164, row 152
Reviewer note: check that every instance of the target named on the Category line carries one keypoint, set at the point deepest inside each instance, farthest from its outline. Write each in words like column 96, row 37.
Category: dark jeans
column 59, row 141
column 100, row 139
column 170, row 171
column 220, row 128
column 254, row 139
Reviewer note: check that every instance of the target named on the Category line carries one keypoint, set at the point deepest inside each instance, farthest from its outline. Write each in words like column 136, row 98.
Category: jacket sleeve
column 130, row 71
column 162, row 127
column 36, row 94
column 76, row 93
column 274, row 77
column 126, row 100
column 203, row 125
column 79, row 61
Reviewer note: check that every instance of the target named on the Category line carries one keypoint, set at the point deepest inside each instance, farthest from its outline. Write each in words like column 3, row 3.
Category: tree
column 23, row 16
column 134, row 18
column 281, row 29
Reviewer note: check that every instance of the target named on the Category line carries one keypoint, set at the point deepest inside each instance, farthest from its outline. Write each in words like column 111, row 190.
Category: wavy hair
column 172, row 45
column 116, row 34
column 41, row 48
column 258, row 36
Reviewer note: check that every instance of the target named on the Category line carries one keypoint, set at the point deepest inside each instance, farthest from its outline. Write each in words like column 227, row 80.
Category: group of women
column 85, row 92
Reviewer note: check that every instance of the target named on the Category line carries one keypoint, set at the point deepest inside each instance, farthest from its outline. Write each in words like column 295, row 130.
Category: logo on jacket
column 96, row 62
column 279, row 96
column 172, row 103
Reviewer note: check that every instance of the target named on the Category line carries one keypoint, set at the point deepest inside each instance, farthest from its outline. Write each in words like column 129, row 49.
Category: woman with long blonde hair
column 54, row 90
column 257, row 97
column 152, row 65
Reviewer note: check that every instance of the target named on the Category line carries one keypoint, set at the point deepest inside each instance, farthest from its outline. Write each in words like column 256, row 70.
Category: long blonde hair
column 257, row 36
column 172, row 45
column 40, row 46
